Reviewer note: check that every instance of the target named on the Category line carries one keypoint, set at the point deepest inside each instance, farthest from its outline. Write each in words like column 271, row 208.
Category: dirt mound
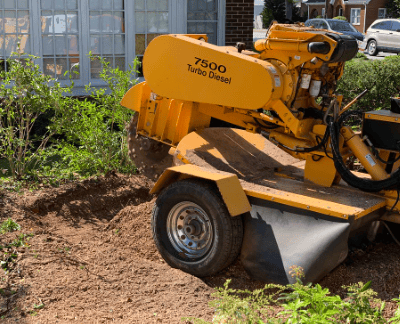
column 91, row 259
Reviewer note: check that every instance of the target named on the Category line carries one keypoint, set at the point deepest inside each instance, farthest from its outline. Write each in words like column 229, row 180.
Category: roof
column 310, row 2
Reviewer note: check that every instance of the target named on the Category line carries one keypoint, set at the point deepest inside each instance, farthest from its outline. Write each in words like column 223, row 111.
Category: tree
column 273, row 10
column 276, row 10
column 393, row 8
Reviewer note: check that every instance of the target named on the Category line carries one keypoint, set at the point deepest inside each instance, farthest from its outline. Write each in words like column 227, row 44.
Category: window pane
column 395, row 25
column 119, row 22
column 107, row 22
column 140, row 44
column 49, row 66
column 9, row 4
column 71, row 4
column 107, row 5
column 10, row 44
column 60, row 22
column 152, row 5
column 139, row 5
column 72, row 22
column 95, row 69
column 10, row 22
column 118, row 4
column 59, row 4
column 163, row 19
column 61, row 68
column 107, row 44
column 48, row 45
column 25, row 44
column 120, row 63
column 2, row 21
column 140, row 22
column 23, row 4
column 163, row 5
column 94, row 4
column 73, row 45
column 74, row 68
column 47, row 4
column 150, row 37
column 119, row 44
column 23, row 21
column 94, row 21
column 95, row 45
column 60, row 42
column 47, row 22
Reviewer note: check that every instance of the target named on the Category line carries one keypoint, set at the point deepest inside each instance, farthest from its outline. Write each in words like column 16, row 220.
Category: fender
column 228, row 185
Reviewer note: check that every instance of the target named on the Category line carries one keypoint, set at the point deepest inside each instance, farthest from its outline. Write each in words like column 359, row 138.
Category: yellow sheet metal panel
column 320, row 170
column 180, row 67
column 228, row 185
column 136, row 96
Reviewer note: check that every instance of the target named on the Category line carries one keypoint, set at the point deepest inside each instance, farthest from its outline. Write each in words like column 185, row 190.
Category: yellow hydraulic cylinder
column 361, row 151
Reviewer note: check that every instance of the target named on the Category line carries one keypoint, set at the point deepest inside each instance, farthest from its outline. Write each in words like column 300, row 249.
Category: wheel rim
column 190, row 230
column 371, row 47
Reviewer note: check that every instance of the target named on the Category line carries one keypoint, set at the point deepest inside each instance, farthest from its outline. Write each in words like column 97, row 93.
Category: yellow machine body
column 280, row 161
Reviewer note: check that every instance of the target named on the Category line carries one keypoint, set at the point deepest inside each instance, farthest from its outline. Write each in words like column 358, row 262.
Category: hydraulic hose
column 392, row 182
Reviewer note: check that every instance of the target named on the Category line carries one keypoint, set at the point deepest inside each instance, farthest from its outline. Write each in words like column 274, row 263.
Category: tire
column 193, row 230
column 372, row 48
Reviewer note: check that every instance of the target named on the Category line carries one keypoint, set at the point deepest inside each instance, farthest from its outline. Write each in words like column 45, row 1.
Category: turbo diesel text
column 213, row 68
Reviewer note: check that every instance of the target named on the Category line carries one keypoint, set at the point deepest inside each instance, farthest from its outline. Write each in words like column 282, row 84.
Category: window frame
column 352, row 16
column 384, row 13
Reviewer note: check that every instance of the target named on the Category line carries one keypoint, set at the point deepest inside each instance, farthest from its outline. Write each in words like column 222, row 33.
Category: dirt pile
column 91, row 259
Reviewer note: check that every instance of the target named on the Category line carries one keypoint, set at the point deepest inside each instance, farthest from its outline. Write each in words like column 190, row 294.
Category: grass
column 9, row 226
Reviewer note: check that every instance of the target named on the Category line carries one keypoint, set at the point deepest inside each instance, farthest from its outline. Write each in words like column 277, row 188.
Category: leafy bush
column 298, row 303
column 340, row 18
column 95, row 129
column 380, row 76
column 26, row 95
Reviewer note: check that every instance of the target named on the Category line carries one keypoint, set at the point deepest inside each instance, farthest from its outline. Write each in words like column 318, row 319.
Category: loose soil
column 92, row 259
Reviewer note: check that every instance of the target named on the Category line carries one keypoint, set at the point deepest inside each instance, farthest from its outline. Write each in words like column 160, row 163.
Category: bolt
column 180, row 227
column 181, row 217
column 183, row 237
column 190, row 243
column 343, row 131
column 308, row 207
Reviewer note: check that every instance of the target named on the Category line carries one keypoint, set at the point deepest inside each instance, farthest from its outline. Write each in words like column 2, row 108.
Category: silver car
column 382, row 36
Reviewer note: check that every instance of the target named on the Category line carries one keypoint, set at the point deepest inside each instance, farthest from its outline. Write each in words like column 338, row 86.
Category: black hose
column 392, row 182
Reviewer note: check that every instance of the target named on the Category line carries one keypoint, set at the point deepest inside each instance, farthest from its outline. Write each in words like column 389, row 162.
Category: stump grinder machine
column 273, row 183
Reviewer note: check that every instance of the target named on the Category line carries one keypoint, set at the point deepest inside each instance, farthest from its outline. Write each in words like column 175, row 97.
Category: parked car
column 336, row 25
column 382, row 36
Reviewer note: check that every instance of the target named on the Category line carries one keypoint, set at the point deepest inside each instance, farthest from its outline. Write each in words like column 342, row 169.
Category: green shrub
column 95, row 129
column 380, row 76
column 340, row 18
column 305, row 304
column 26, row 94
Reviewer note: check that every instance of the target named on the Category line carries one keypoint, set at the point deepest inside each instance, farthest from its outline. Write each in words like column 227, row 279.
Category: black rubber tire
column 374, row 47
column 227, row 231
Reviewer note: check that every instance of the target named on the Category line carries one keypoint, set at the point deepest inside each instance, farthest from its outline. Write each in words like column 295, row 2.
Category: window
column 15, row 28
column 323, row 12
column 385, row 25
column 355, row 14
column 60, row 38
column 107, row 34
column 202, row 18
column 63, row 32
column 324, row 25
column 340, row 12
column 381, row 13
column 396, row 26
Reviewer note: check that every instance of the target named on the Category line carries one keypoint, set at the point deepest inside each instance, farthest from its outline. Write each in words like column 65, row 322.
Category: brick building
column 63, row 32
column 360, row 13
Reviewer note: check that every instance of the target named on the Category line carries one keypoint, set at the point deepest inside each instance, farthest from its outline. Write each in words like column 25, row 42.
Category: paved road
column 380, row 56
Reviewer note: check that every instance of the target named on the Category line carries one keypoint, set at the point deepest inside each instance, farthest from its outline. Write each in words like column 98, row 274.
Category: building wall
column 239, row 22
column 372, row 11
column 318, row 9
